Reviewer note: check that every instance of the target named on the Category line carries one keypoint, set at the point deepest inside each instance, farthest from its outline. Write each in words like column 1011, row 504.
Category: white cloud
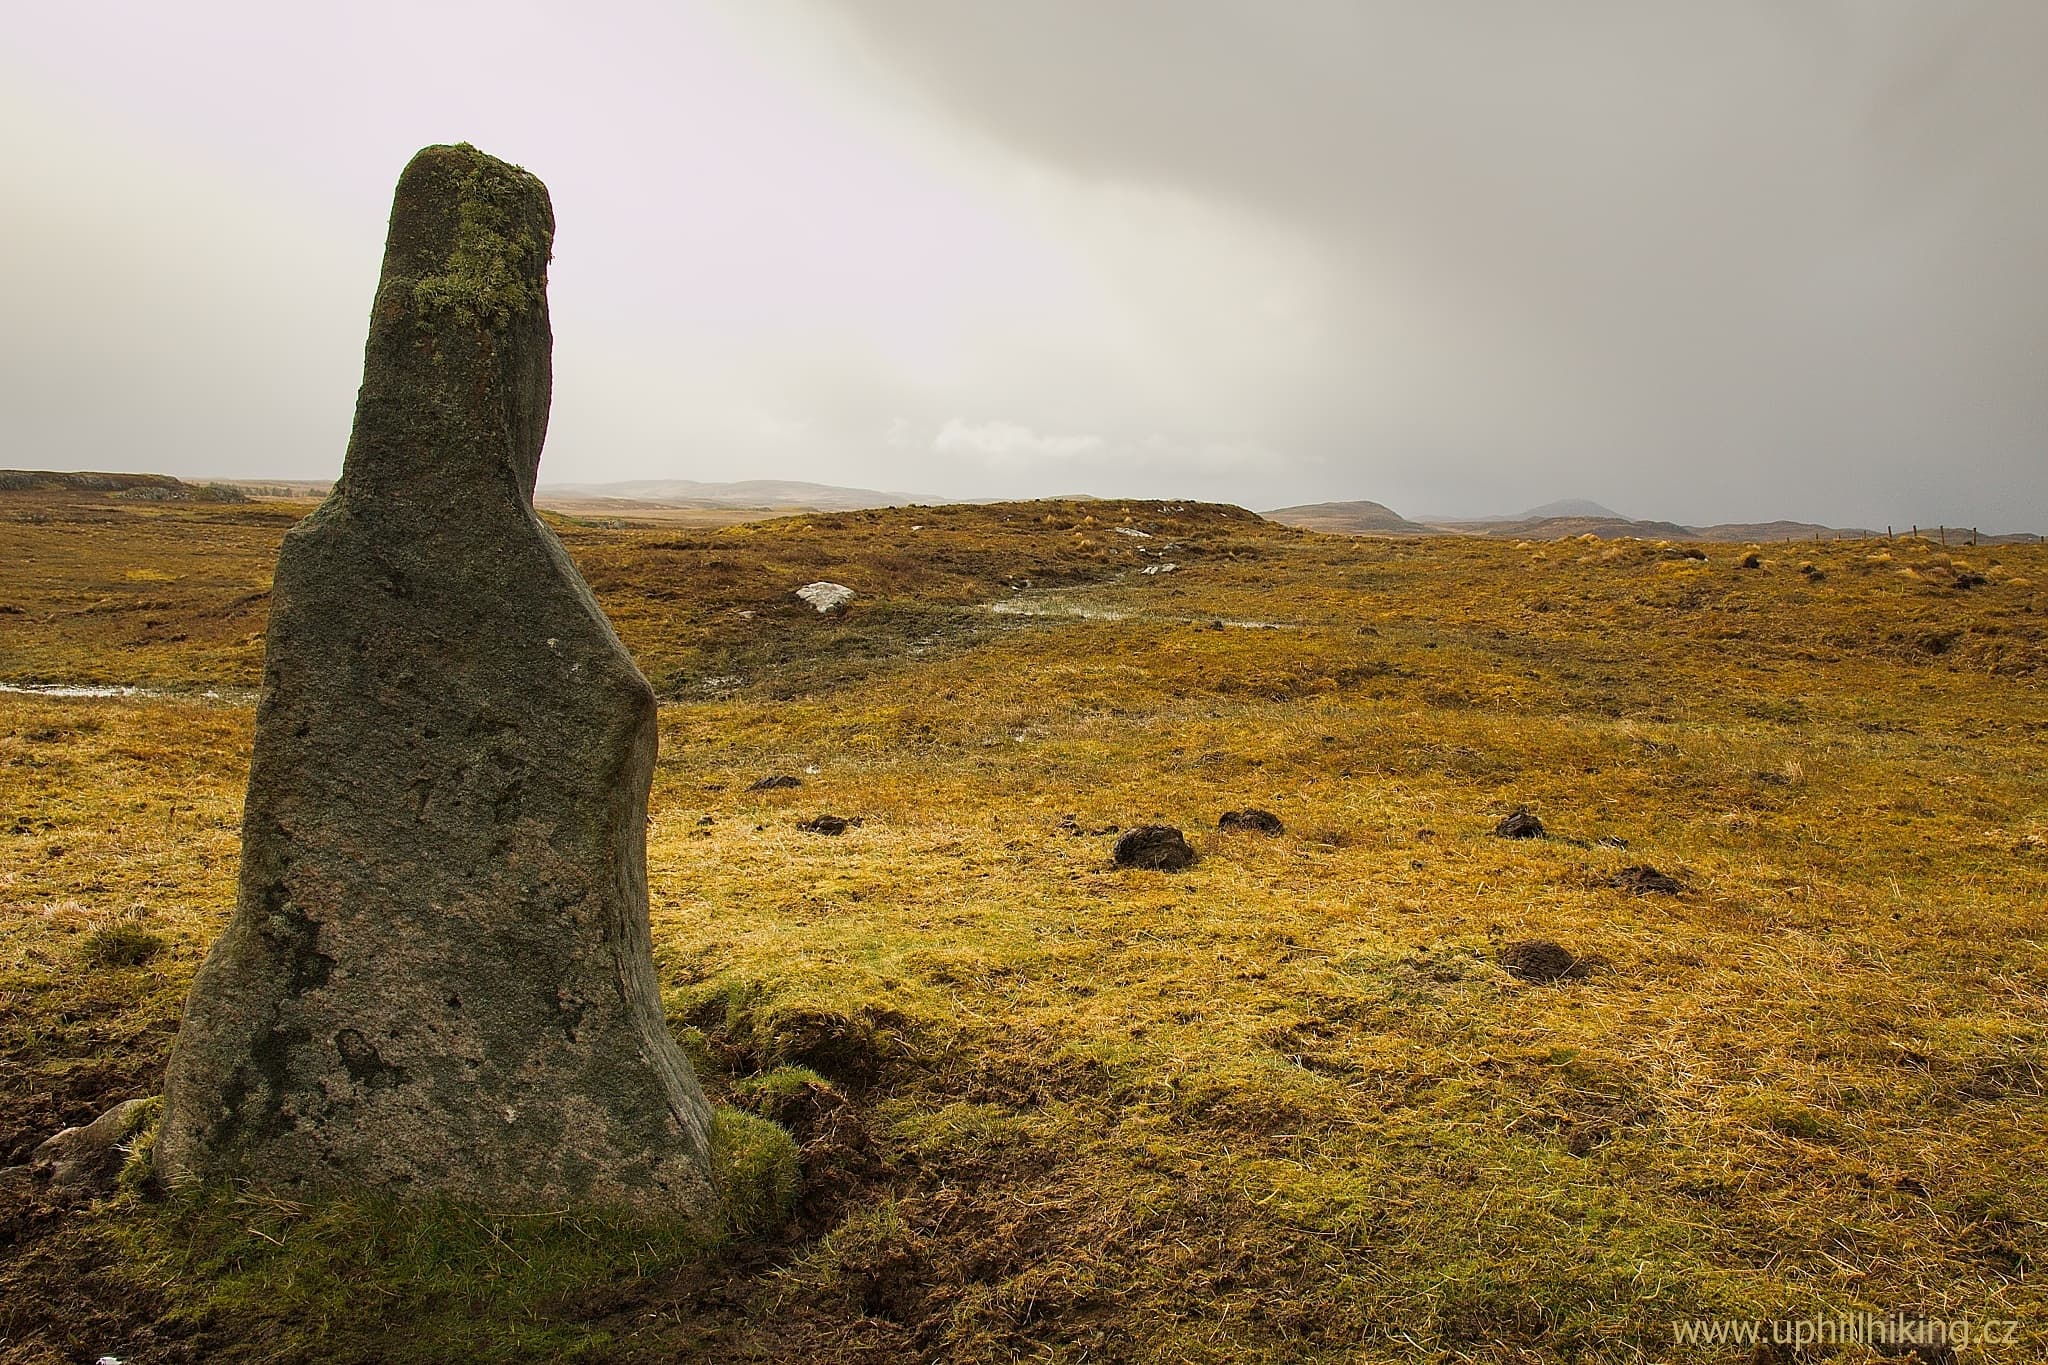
column 1009, row 445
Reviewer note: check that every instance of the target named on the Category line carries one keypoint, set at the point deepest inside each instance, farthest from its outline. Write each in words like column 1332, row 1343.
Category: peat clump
column 1520, row 823
column 827, row 824
column 1252, row 820
column 1155, row 848
column 1539, row 961
column 1644, row 880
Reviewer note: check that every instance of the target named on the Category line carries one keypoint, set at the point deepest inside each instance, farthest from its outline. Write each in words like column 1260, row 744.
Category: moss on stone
column 497, row 268
column 452, row 1281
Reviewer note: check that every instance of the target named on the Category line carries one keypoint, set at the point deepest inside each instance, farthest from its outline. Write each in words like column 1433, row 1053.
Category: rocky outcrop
column 92, row 1153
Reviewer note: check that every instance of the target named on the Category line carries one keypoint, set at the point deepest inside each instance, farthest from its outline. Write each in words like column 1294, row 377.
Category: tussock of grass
column 755, row 1162
column 1286, row 1105
column 374, row 1281
column 122, row 945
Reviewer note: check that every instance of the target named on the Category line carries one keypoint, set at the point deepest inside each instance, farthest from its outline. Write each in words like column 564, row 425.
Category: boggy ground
column 1288, row 1105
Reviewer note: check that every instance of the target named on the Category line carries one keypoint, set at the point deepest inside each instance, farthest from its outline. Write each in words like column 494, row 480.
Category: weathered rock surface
column 826, row 597
column 437, row 979
column 93, row 1153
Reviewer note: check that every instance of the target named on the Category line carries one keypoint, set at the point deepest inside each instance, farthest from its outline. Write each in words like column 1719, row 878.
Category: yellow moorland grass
column 1287, row 1105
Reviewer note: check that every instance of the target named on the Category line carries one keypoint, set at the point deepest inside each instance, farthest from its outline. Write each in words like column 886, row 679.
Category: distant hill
column 1617, row 528
column 1569, row 507
column 1363, row 518
column 139, row 487
column 292, row 490
column 1349, row 519
column 1556, row 527
column 1761, row 531
column 692, row 502
column 1581, row 509
column 778, row 493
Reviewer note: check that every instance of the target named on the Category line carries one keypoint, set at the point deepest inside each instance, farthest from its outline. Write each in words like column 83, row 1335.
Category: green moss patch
column 754, row 1162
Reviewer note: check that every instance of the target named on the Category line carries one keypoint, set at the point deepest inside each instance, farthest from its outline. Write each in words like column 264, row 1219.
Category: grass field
column 1288, row 1105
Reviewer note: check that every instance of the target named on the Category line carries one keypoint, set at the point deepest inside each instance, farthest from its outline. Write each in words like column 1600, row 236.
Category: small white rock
column 826, row 597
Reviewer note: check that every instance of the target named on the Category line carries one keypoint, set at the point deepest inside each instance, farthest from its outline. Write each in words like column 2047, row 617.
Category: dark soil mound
column 1252, row 819
column 827, row 824
column 1540, row 961
column 1642, row 880
column 1521, row 823
column 1159, row 848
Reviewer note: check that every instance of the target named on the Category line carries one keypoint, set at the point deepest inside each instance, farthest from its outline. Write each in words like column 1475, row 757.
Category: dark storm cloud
column 1696, row 259
column 1699, row 261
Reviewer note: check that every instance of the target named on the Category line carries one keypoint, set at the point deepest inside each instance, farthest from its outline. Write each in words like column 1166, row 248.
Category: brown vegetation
column 1295, row 1102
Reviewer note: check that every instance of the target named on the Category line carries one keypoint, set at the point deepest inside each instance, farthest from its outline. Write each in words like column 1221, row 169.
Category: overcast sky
column 1723, row 259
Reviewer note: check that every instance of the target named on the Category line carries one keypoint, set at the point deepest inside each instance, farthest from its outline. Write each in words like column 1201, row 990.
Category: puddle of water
column 1045, row 609
column 75, row 690
column 90, row 691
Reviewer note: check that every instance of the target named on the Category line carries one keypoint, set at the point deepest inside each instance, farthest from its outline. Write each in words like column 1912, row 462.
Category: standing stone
column 437, row 979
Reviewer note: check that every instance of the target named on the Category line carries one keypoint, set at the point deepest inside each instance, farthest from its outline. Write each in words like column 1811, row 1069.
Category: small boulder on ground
column 92, row 1153
column 1156, row 848
column 1539, row 961
column 1643, row 880
column 826, row 597
column 777, row 782
column 1520, row 823
column 1251, row 820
